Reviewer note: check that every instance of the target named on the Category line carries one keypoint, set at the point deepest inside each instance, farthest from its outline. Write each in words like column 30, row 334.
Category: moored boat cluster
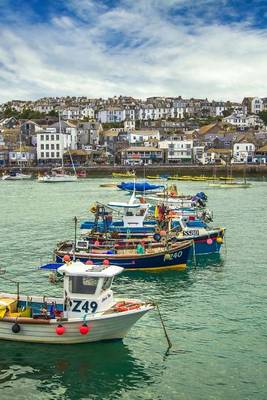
column 157, row 229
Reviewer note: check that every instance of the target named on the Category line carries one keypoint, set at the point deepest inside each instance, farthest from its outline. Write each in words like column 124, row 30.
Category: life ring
column 157, row 237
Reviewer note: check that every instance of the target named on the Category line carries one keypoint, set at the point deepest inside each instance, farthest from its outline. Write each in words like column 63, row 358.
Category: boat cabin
column 87, row 288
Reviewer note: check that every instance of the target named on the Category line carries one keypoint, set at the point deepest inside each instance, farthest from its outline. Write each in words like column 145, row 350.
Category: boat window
column 83, row 284
column 107, row 283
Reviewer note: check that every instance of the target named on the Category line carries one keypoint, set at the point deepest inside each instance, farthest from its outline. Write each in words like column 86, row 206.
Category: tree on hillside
column 263, row 116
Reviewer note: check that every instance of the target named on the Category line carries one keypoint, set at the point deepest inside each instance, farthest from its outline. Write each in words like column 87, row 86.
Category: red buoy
column 66, row 258
column 84, row 329
column 89, row 262
column 60, row 330
column 106, row 262
column 209, row 241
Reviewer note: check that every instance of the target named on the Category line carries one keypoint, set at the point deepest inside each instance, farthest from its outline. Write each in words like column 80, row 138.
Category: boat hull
column 104, row 327
column 172, row 259
column 206, row 244
column 57, row 179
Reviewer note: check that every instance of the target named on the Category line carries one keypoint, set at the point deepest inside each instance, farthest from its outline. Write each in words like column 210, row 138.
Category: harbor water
column 215, row 312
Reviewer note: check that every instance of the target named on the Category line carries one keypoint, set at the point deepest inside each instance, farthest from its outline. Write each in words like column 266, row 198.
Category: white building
column 43, row 108
column 177, row 150
column 155, row 113
column 243, row 152
column 129, row 125
column 71, row 113
column 51, row 145
column 243, row 120
column 256, row 105
column 112, row 114
column 143, row 136
column 88, row 112
column 23, row 156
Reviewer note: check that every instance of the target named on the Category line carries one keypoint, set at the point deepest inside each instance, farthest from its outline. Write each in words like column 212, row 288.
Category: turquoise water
column 215, row 312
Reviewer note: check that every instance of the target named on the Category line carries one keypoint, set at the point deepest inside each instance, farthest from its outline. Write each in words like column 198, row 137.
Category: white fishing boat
column 87, row 311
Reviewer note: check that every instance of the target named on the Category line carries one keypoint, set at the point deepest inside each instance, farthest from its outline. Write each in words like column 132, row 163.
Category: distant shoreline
column 194, row 170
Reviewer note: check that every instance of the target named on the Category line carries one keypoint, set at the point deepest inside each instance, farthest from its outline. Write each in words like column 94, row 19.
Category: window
column 42, row 154
column 42, row 146
column 52, row 147
column 58, row 155
column 46, row 137
column 57, row 146
column 47, row 146
column 107, row 283
column 42, row 137
column 52, row 154
column 52, row 137
column 82, row 284
column 47, row 154
column 57, row 137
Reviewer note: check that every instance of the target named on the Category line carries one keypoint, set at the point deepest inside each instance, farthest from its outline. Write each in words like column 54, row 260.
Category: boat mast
column 60, row 131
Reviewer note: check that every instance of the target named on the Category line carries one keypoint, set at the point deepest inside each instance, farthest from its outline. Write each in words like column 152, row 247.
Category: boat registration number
column 86, row 306
column 191, row 232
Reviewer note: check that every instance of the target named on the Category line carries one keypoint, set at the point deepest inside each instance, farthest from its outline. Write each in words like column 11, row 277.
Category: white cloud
column 133, row 50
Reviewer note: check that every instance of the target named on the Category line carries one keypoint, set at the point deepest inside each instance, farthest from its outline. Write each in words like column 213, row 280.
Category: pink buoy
column 89, row 262
column 106, row 262
column 209, row 241
column 66, row 258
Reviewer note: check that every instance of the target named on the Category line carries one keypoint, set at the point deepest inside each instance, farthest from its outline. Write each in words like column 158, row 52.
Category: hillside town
column 131, row 132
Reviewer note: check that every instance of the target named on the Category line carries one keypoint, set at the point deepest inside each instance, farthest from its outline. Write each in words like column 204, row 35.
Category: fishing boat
column 86, row 312
column 127, row 174
column 108, row 185
column 132, row 217
column 168, row 256
column 207, row 240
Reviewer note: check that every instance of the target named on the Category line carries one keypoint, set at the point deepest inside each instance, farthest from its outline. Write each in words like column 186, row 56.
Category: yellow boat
column 226, row 178
column 153, row 177
column 123, row 174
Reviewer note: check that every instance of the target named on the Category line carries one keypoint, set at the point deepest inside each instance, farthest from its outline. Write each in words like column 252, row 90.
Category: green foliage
column 263, row 116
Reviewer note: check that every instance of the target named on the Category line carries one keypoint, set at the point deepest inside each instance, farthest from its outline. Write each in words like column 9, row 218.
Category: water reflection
column 101, row 370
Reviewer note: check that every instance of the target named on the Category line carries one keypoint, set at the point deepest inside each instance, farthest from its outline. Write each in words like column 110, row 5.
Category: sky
column 140, row 48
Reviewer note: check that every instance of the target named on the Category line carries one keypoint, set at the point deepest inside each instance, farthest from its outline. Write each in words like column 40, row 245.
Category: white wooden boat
column 87, row 312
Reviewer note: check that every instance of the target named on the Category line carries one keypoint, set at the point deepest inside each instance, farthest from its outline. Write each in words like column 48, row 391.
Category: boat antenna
column 75, row 237
column 60, row 131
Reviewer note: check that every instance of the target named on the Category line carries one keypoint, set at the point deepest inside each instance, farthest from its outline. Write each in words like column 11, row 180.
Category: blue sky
column 201, row 48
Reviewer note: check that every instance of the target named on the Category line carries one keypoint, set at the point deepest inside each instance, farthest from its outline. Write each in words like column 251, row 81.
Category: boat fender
column 121, row 309
column 16, row 328
column 209, row 241
column 157, row 237
column 60, row 330
column 93, row 209
column 219, row 240
column 84, row 329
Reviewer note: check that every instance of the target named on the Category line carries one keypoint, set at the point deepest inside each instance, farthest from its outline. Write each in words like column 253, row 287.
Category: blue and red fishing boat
column 168, row 256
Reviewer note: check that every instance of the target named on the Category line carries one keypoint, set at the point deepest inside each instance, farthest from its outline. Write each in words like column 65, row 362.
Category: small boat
column 16, row 176
column 153, row 177
column 168, row 256
column 127, row 174
column 57, row 177
column 108, row 185
column 86, row 312
column 231, row 185
column 140, row 187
